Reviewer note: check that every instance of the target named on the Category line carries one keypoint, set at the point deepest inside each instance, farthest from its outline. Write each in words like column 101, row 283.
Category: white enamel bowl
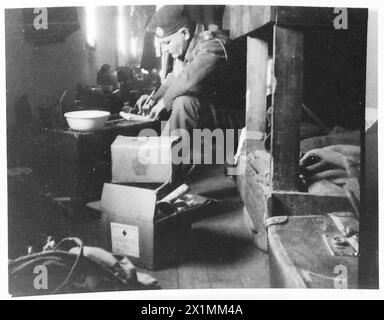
column 87, row 120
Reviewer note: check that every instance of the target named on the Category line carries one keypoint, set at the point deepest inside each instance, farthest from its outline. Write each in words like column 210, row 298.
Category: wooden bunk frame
column 280, row 34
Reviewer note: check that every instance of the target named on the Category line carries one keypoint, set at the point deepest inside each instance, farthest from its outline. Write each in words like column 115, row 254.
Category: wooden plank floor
column 220, row 251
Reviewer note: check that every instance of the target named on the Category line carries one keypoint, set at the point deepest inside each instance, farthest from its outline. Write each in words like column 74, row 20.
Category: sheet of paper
column 133, row 117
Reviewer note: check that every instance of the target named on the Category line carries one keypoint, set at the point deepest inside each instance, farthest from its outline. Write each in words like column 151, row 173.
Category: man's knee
column 187, row 113
column 183, row 103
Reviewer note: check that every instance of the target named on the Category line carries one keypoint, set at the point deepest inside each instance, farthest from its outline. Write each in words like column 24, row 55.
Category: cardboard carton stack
column 131, row 220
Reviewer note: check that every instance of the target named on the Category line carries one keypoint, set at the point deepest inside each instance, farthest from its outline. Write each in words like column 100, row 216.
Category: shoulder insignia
column 207, row 35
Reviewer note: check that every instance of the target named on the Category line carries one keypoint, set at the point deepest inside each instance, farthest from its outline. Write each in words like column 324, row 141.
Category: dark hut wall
column 335, row 74
column 50, row 68
column 37, row 71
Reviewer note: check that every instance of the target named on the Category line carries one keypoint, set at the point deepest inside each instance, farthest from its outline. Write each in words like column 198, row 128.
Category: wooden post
column 369, row 213
column 288, row 69
column 243, row 19
column 257, row 60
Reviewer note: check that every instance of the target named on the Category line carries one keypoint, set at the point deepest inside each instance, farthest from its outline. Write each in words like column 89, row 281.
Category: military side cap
column 167, row 20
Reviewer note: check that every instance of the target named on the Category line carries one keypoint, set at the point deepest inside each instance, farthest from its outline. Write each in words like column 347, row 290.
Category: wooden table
column 76, row 164
column 279, row 34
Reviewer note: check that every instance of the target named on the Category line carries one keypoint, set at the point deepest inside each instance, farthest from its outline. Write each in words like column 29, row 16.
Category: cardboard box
column 132, row 224
column 142, row 159
column 129, row 222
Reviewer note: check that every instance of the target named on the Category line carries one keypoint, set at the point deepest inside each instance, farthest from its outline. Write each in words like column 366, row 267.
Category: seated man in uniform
column 198, row 77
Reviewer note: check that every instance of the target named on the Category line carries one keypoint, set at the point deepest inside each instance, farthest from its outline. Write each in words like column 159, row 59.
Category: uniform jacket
column 203, row 70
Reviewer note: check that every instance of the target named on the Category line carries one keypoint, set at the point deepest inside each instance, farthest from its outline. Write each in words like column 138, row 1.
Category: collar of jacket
column 188, row 55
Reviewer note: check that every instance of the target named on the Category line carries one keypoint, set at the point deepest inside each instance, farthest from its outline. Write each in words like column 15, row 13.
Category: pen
column 146, row 101
column 150, row 96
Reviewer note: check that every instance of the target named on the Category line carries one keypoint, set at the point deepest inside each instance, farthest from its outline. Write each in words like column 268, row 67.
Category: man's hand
column 156, row 110
column 318, row 160
column 331, row 162
column 141, row 106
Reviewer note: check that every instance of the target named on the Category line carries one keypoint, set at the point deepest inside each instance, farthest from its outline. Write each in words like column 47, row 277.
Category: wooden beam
column 288, row 71
column 369, row 216
column 306, row 204
column 318, row 17
column 241, row 20
column 299, row 257
column 257, row 60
